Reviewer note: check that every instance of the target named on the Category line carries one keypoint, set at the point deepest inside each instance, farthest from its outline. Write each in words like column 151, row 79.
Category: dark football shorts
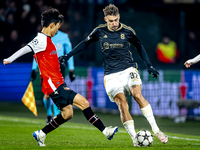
column 62, row 69
column 63, row 96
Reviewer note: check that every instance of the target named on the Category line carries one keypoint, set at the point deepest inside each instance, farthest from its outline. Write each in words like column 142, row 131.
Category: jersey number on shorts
column 133, row 75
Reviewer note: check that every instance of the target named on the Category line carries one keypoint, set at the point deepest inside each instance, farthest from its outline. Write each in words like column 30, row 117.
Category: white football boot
column 40, row 137
column 162, row 137
column 135, row 142
column 109, row 132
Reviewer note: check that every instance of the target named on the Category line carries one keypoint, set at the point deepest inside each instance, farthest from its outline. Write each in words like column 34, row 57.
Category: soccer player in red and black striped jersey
column 52, row 82
column 120, row 70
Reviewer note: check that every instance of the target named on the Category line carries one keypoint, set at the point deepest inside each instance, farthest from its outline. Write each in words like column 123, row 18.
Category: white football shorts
column 121, row 82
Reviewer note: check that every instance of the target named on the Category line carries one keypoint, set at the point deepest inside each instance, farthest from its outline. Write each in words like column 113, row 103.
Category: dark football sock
column 54, row 123
column 93, row 119
column 49, row 118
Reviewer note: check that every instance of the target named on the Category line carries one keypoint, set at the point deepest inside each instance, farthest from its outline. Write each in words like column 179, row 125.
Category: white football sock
column 129, row 126
column 104, row 131
column 148, row 113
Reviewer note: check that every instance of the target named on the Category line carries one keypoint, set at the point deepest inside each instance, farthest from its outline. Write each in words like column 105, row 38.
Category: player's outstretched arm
column 5, row 62
column 152, row 70
column 77, row 49
column 187, row 65
column 138, row 44
column 80, row 47
column 190, row 62
column 24, row 50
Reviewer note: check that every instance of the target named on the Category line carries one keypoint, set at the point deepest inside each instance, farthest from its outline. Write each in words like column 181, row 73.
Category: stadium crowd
column 17, row 17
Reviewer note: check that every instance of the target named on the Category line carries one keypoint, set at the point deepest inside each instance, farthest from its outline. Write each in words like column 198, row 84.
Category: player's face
column 55, row 29
column 112, row 21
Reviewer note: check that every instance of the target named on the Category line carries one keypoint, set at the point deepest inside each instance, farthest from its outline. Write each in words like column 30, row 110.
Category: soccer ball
column 144, row 138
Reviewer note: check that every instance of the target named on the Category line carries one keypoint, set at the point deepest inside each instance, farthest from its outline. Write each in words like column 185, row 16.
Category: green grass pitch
column 16, row 133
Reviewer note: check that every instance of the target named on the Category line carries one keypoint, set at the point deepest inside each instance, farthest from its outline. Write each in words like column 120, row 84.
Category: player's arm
column 67, row 49
column 140, row 48
column 192, row 61
column 142, row 52
column 24, row 50
column 80, row 47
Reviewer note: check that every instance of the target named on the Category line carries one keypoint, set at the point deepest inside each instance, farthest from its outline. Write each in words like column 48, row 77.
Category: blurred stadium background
column 151, row 19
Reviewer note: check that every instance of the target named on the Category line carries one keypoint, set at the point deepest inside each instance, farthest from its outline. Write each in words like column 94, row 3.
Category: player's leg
column 66, row 114
column 83, row 104
column 125, row 116
column 115, row 90
column 63, row 98
column 146, row 110
column 56, row 111
column 47, row 105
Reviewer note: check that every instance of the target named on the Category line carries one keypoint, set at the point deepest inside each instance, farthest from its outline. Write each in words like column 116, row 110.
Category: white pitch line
column 86, row 128
column 179, row 138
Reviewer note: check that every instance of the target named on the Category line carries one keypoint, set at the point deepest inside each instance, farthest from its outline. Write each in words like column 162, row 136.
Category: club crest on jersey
column 106, row 45
column 35, row 42
column 66, row 88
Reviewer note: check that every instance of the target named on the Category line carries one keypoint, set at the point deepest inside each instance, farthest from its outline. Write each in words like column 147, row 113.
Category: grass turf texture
column 17, row 124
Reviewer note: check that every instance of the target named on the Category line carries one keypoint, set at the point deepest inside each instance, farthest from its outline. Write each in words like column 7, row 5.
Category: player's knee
column 67, row 115
column 122, row 106
column 85, row 103
column 137, row 96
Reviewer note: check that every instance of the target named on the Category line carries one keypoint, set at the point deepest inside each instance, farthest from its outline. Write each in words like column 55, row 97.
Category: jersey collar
column 44, row 34
column 120, row 26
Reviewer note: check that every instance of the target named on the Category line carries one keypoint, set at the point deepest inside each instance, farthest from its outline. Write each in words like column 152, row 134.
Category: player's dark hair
column 111, row 9
column 51, row 15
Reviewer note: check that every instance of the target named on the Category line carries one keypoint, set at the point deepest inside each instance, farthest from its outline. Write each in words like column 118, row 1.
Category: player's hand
column 5, row 62
column 63, row 59
column 152, row 70
column 72, row 76
column 33, row 75
column 187, row 65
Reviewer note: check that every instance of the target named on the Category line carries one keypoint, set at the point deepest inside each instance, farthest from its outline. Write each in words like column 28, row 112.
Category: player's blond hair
column 111, row 9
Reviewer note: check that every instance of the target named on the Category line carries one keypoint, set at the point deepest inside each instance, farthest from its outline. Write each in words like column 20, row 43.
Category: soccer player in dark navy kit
column 52, row 81
column 120, row 70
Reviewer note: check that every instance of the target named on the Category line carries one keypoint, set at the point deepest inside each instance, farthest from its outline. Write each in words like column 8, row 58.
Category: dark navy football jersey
column 115, row 46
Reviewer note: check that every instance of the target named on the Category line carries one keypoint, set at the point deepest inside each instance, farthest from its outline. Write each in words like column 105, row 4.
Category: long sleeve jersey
column 115, row 47
column 63, row 46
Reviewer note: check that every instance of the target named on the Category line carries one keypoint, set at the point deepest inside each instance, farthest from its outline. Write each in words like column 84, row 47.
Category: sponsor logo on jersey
column 53, row 53
column 106, row 45
column 116, row 45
